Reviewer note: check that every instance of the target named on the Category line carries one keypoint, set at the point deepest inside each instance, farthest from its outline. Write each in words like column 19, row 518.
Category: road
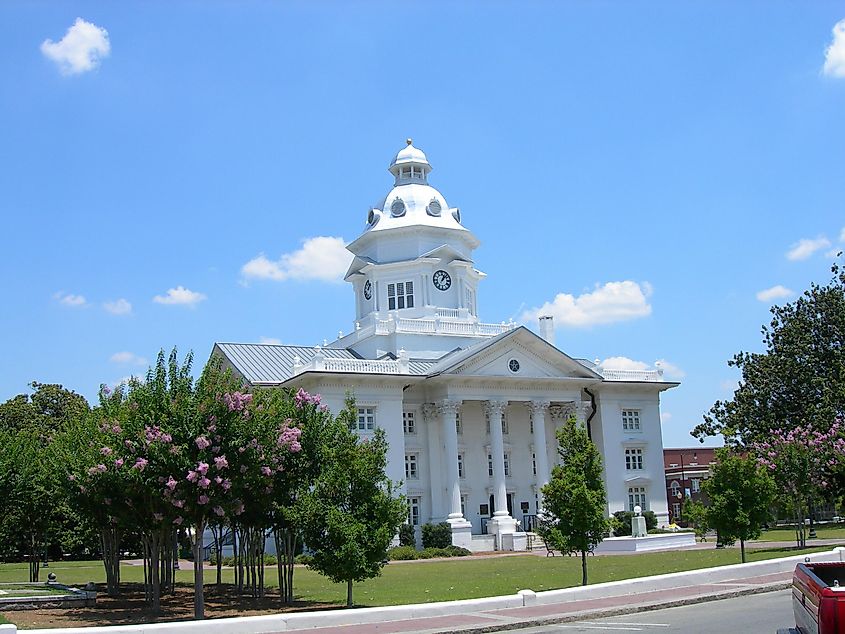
column 753, row 614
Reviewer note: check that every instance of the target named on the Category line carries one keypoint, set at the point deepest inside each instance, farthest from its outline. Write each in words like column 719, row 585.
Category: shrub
column 407, row 536
column 303, row 559
column 436, row 535
column 402, row 553
column 622, row 522
column 457, row 551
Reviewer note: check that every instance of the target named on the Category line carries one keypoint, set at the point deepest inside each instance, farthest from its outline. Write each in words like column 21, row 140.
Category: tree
column 741, row 493
column 46, row 410
column 799, row 380
column 573, row 517
column 695, row 514
column 352, row 514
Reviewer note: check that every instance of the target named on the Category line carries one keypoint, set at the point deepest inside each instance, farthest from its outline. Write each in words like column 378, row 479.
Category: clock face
column 368, row 290
column 442, row 280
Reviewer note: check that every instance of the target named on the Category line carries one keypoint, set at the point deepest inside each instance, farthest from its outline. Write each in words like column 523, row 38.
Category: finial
column 409, row 141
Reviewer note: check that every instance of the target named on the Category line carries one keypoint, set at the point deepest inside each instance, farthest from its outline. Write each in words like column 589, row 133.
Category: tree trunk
column 110, row 538
column 742, row 549
column 583, row 567
column 349, row 593
column 199, row 599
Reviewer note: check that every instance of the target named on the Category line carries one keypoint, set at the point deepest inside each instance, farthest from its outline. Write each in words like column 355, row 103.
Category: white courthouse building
column 469, row 408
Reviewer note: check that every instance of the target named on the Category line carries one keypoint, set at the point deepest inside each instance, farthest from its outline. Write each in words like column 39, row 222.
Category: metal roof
column 268, row 363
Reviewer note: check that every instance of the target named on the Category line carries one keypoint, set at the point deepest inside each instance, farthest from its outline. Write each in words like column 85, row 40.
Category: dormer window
column 400, row 295
column 397, row 209
column 434, row 208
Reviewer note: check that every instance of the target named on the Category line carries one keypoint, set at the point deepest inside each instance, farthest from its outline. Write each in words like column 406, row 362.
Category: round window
column 434, row 208
column 456, row 214
column 397, row 208
column 513, row 365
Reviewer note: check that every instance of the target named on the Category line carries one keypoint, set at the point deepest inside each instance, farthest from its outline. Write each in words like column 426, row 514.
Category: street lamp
column 684, row 478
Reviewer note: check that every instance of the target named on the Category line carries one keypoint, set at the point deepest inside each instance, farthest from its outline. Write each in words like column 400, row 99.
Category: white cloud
column 321, row 258
column 806, row 247
column 665, row 417
column 118, row 307
column 670, row 370
column 69, row 299
column 607, row 304
column 775, row 292
column 80, row 50
column 180, row 296
column 270, row 341
column 128, row 358
column 834, row 57
column 622, row 363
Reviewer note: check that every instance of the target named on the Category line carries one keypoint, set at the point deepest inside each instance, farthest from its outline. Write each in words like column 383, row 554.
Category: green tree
column 741, row 493
column 695, row 514
column 799, row 380
column 352, row 514
column 573, row 518
column 46, row 410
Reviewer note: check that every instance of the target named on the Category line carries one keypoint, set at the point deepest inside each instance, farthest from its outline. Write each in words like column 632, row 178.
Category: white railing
column 452, row 313
column 632, row 375
column 416, row 325
column 361, row 366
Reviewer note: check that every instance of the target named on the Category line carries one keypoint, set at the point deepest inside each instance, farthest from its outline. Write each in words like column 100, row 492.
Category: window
column 411, row 472
column 507, row 465
column 408, row 423
column 696, row 485
column 458, row 427
column 675, row 488
column 464, row 505
column 534, row 463
column 366, row 418
column 631, row 419
column 637, row 497
column 676, row 510
column 460, row 465
column 490, row 465
column 400, row 295
column 633, row 459
column 513, row 366
column 414, row 511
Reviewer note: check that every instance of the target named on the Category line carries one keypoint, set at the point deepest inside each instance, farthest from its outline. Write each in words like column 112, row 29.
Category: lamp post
column 684, row 479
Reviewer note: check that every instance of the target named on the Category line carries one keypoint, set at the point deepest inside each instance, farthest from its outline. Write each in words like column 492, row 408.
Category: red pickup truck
column 818, row 597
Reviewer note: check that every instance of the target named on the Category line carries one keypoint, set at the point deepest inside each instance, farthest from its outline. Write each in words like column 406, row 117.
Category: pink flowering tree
column 803, row 463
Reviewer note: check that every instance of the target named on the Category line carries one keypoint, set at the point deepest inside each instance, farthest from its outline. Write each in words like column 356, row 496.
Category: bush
column 457, row 551
column 402, row 553
column 622, row 522
column 436, row 535
column 407, row 536
column 303, row 559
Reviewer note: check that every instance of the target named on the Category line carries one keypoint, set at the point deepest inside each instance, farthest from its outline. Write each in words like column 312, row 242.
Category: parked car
column 818, row 598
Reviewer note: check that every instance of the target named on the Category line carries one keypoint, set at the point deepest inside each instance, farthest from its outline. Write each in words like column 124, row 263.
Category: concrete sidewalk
column 535, row 615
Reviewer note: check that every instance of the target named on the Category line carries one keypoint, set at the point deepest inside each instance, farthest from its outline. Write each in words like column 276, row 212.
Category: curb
column 620, row 610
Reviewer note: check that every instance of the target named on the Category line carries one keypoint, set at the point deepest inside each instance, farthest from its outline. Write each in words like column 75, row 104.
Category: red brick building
column 686, row 469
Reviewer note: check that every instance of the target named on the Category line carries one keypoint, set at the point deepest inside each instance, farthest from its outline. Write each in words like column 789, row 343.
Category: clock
column 442, row 280
column 368, row 290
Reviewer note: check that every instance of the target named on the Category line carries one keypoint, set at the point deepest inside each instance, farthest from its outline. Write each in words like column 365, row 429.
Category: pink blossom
column 118, row 463
column 220, row 462
column 202, row 467
column 192, row 476
column 106, row 451
column 171, row 483
column 226, row 484
column 177, row 521
column 71, row 477
column 140, row 464
column 203, row 499
column 204, row 482
column 116, row 429
column 218, row 479
column 219, row 511
column 158, row 517
column 101, row 468
column 266, row 471
column 202, row 442
column 129, row 444
column 178, row 503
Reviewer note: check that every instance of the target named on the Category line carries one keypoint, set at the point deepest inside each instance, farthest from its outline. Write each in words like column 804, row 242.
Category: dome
column 410, row 154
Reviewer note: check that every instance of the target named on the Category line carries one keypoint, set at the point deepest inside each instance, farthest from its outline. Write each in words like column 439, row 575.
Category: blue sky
column 653, row 166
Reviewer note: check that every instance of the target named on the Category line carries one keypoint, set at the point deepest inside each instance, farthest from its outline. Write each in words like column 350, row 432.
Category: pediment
column 534, row 357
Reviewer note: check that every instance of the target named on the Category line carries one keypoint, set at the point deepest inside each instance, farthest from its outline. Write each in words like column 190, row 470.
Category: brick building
column 686, row 469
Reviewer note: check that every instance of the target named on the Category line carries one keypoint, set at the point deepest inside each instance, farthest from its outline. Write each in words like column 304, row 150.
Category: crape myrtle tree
column 803, row 463
column 573, row 517
column 352, row 515
column 741, row 493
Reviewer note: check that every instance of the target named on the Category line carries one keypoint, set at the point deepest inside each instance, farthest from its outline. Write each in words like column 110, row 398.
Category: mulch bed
column 130, row 608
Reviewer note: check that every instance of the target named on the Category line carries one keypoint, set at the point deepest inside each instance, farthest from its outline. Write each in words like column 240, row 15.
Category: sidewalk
column 534, row 615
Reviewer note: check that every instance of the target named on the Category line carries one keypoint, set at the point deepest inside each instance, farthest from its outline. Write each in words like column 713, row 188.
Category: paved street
column 757, row 614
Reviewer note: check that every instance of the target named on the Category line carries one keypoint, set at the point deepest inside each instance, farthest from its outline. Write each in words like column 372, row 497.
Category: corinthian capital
column 562, row 412
column 448, row 406
column 538, row 407
column 495, row 407
column 429, row 412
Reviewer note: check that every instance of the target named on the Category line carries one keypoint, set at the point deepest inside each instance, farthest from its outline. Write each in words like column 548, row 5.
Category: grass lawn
column 464, row 578
column 786, row 534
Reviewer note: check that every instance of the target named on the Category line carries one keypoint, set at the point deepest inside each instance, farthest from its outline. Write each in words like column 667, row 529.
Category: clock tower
column 413, row 276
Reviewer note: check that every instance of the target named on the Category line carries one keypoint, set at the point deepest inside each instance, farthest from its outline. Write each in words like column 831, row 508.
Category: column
column 501, row 522
column 448, row 409
column 438, row 508
column 538, row 418
column 559, row 415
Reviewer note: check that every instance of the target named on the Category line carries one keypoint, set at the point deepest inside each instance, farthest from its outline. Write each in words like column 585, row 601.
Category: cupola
column 410, row 165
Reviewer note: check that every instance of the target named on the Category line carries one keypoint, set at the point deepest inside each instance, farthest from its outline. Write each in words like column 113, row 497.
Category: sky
column 656, row 175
